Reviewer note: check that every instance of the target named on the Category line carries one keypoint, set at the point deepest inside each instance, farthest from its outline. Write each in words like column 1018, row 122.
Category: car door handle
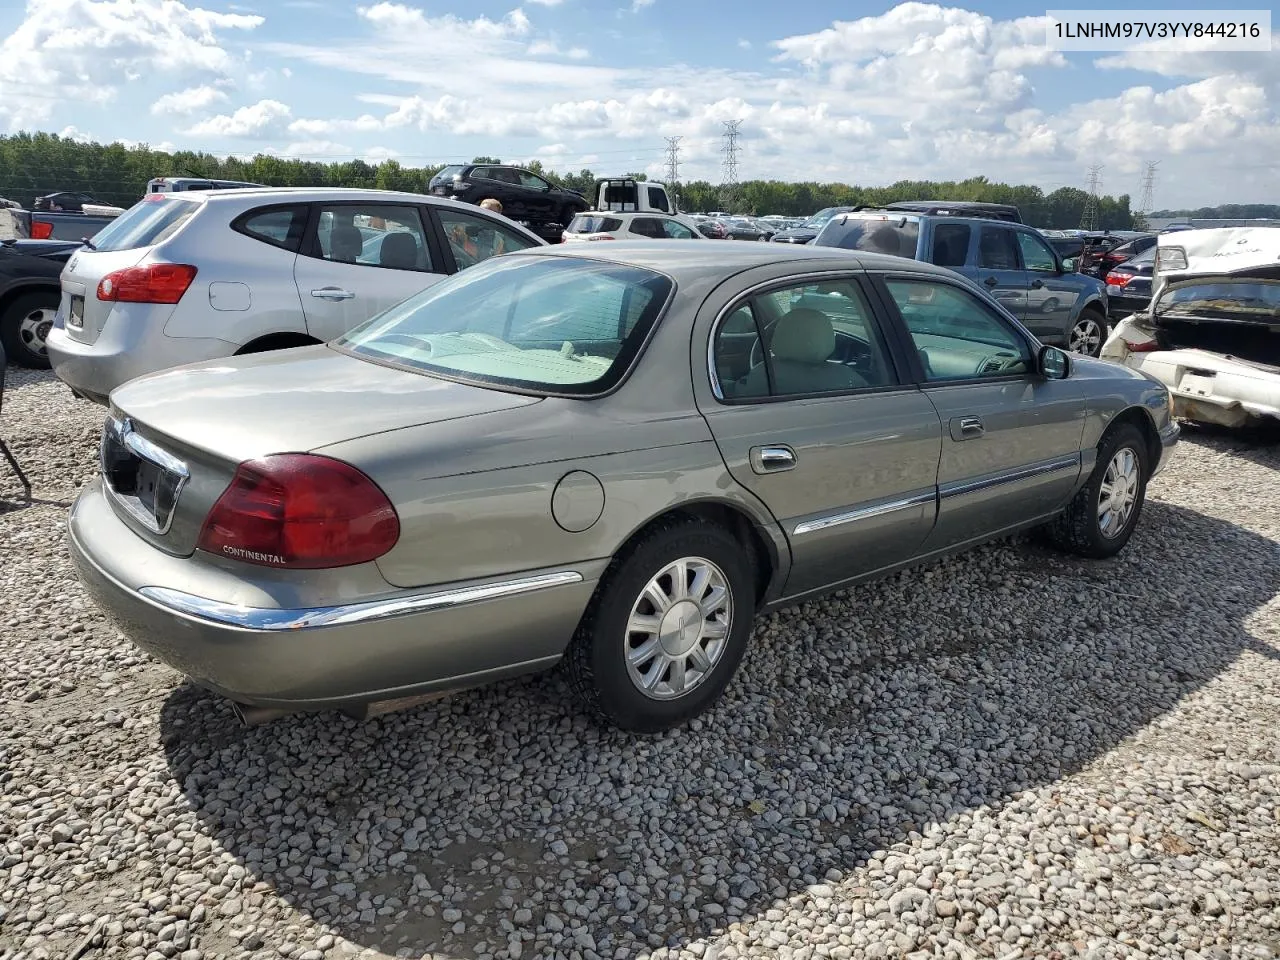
column 967, row 428
column 991, row 282
column 332, row 293
column 772, row 459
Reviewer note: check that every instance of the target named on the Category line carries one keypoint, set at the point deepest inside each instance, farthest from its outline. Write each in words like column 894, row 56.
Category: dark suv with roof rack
column 958, row 208
column 524, row 196
column 1011, row 261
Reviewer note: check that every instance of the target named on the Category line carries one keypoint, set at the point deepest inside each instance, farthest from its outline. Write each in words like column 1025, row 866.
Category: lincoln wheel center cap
column 681, row 628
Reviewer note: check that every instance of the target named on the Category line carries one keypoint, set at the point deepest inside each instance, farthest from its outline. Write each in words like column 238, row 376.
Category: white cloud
column 191, row 100
column 81, row 48
column 260, row 121
column 638, row 5
column 547, row 3
column 549, row 48
column 744, row 44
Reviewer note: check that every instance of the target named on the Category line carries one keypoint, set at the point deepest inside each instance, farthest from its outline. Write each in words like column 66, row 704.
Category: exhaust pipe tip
column 251, row 716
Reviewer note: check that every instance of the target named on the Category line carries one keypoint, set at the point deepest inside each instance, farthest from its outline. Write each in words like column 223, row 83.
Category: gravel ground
column 1008, row 754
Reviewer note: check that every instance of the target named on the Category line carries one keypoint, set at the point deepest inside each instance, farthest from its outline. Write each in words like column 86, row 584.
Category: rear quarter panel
column 266, row 300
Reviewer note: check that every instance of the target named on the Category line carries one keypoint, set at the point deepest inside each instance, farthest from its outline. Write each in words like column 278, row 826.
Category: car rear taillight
column 151, row 283
column 300, row 511
column 1146, row 346
column 1118, row 279
column 41, row 230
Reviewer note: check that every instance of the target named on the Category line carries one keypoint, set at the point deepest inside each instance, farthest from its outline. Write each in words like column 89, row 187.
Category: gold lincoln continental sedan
column 611, row 458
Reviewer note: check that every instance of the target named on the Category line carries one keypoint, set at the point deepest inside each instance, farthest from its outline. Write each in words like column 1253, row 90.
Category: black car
column 1106, row 260
column 810, row 228
column 30, row 291
column 66, row 201
column 1129, row 284
column 739, row 228
column 524, row 196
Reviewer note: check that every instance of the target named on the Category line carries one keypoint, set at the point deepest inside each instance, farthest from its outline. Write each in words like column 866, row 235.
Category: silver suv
column 190, row 276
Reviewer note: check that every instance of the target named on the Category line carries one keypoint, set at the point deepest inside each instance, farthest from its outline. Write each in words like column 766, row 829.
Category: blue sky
column 861, row 93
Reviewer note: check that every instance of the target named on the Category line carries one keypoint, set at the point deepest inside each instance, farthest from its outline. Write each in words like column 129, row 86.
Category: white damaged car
column 1211, row 333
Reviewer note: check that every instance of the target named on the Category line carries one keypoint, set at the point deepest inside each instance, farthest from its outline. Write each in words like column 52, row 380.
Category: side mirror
column 1053, row 364
column 1069, row 265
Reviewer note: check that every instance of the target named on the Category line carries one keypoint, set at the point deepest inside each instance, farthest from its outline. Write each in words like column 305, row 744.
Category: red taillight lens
column 41, row 230
column 1118, row 279
column 301, row 511
column 151, row 283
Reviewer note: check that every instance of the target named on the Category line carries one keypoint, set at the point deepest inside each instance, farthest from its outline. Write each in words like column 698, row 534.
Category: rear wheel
column 25, row 326
column 667, row 628
column 1102, row 516
column 1088, row 333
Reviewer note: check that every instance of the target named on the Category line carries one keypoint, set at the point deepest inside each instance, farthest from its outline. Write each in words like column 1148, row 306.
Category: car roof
column 262, row 195
column 681, row 260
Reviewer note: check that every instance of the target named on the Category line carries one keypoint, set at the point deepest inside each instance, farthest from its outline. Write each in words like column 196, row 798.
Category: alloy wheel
column 1118, row 493
column 678, row 628
column 1086, row 337
column 33, row 330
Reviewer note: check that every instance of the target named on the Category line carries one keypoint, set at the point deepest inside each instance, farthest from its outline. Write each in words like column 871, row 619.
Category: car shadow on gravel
column 857, row 721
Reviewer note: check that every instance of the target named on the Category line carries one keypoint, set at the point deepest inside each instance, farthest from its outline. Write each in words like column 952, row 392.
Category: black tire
column 23, row 345
column 1079, row 529
column 1078, row 329
column 596, row 658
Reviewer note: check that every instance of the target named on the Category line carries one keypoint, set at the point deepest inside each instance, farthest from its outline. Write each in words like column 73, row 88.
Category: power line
column 1089, row 219
column 729, row 181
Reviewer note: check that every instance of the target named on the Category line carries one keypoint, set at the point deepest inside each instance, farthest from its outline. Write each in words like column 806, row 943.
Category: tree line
column 1226, row 211
column 34, row 164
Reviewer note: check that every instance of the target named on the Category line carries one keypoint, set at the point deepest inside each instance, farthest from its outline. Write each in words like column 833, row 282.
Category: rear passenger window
column 800, row 341
column 279, row 226
column 373, row 235
column 997, row 249
column 951, row 244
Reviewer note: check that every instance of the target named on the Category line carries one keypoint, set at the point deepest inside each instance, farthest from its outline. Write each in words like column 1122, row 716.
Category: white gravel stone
column 1005, row 754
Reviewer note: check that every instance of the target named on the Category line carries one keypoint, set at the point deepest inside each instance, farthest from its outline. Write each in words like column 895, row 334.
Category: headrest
column 398, row 250
column 804, row 336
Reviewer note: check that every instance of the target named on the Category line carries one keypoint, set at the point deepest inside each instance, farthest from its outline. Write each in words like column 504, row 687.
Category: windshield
column 146, row 223
column 898, row 236
column 448, row 173
column 819, row 219
column 555, row 324
column 1252, row 300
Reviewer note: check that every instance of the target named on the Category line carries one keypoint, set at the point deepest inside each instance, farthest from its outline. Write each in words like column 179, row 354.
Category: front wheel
column 1102, row 516
column 1088, row 333
column 667, row 628
column 24, row 327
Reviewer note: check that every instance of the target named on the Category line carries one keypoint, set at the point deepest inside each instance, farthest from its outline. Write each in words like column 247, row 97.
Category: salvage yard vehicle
column 1212, row 330
column 609, row 454
column 29, row 295
column 1129, row 284
column 524, row 195
column 1015, row 262
column 196, row 275
column 806, row 231
column 628, row 226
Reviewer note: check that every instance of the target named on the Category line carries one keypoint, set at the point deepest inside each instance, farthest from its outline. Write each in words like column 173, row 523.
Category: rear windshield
column 821, row 218
column 558, row 325
column 587, row 224
column 1252, row 300
column 898, row 236
column 145, row 224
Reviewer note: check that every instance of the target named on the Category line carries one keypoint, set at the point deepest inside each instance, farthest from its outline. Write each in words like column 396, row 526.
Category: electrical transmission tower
column 729, row 182
column 673, row 164
column 1148, row 192
column 1089, row 219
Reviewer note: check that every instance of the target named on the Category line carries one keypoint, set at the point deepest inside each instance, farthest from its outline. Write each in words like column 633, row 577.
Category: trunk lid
column 191, row 426
column 84, row 315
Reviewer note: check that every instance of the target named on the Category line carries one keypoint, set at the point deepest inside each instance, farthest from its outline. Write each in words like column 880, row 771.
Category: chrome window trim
column 144, row 449
column 862, row 513
column 850, row 274
column 1012, row 476
column 277, row 619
